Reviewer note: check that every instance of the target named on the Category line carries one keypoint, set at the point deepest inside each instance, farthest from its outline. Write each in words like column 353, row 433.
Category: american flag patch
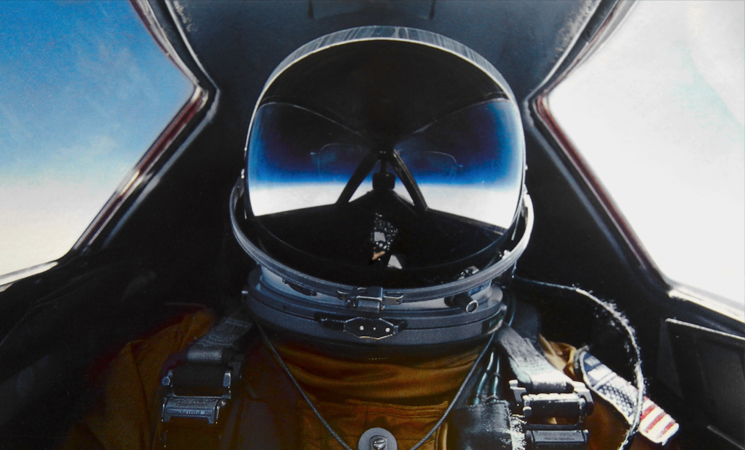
column 655, row 425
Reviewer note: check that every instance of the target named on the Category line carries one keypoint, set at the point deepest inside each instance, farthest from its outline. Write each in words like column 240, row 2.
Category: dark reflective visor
column 468, row 163
column 442, row 195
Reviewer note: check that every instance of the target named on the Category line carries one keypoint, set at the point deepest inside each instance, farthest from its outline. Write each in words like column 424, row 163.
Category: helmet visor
column 468, row 163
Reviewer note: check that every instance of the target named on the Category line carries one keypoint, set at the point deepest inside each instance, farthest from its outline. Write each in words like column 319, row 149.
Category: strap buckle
column 536, row 408
column 199, row 386
column 542, row 392
column 371, row 299
column 557, row 439
column 206, row 407
column 574, row 405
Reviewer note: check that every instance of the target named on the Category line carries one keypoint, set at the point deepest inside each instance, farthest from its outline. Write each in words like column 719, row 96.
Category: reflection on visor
column 337, row 159
column 299, row 159
column 430, row 163
column 468, row 163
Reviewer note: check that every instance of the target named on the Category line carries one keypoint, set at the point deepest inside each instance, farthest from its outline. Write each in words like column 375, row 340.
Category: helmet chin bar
column 460, row 310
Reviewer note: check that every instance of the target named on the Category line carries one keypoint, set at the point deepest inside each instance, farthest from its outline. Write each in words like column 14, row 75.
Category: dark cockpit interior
column 165, row 246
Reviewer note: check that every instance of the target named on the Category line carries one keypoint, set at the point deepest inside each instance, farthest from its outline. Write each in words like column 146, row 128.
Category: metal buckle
column 534, row 407
column 573, row 405
column 194, row 406
column 370, row 299
column 557, row 439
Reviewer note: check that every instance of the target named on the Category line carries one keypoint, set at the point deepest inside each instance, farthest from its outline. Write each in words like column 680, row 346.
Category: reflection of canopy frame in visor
column 496, row 87
column 329, row 236
column 385, row 156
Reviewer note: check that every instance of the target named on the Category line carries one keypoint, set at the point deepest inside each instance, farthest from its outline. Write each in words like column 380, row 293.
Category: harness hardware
column 192, row 406
column 200, row 386
column 540, row 391
column 371, row 299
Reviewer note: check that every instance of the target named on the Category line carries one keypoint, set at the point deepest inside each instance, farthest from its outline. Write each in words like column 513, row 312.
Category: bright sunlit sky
column 659, row 114
column 84, row 91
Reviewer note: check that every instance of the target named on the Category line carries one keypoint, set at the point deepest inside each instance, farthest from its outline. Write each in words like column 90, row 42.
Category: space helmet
column 383, row 194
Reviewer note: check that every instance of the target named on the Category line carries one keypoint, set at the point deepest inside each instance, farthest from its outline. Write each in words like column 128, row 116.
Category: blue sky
column 74, row 75
column 84, row 91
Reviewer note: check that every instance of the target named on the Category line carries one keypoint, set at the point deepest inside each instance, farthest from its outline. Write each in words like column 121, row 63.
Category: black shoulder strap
column 199, row 386
column 222, row 341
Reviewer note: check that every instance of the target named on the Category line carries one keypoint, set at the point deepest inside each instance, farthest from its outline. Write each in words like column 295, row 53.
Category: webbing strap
column 197, row 392
column 542, row 392
column 225, row 335
column 530, row 367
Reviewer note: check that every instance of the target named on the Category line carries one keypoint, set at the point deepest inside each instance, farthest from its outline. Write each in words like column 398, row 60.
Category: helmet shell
column 384, row 171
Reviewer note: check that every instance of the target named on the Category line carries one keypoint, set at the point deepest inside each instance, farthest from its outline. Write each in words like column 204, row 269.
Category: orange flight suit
column 406, row 398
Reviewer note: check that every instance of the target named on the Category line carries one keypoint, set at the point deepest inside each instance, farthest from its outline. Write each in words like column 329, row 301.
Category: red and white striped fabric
column 656, row 425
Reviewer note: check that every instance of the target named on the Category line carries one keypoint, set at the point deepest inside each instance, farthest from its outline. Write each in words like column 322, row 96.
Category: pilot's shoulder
column 171, row 337
column 139, row 363
column 130, row 385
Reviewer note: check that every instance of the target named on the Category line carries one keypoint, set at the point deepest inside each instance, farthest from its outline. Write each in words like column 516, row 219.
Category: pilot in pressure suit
column 383, row 199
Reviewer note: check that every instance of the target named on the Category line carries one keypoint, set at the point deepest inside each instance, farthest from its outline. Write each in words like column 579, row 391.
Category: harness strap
column 197, row 386
column 197, row 391
column 221, row 340
column 541, row 393
column 530, row 367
